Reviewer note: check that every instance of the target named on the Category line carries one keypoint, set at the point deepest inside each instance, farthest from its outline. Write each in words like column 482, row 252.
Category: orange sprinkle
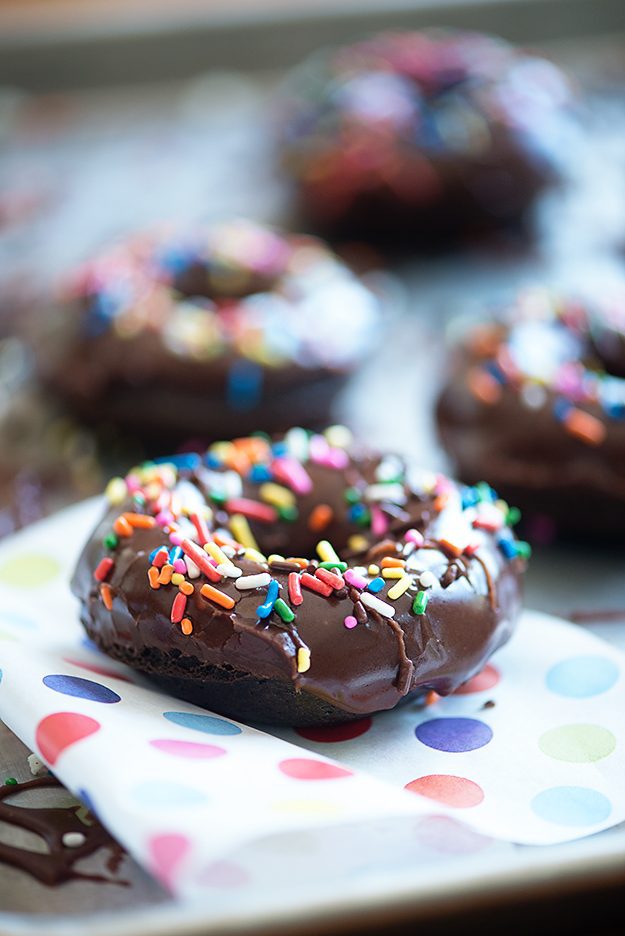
column 440, row 502
column 219, row 597
column 186, row 588
column 431, row 697
column 320, row 517
column 186, row 626
column 106, row 593
column 153, row 575
column 390, row 563
column 585, row 427
column 302, row 563
column 238, row 460
column 165, row 574
column 122, row 527
column 140, row 521
column 483, row 386
column 225, row 541
column 449, row 548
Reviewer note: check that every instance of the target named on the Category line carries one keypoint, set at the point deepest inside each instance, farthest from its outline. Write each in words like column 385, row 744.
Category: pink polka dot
column 59, row 731
column 165, row 854
column 447, row 789
column 484, row 680
column 100, row 670
column 304, row 768
column 224, row 875
column 448, row 836
column 190, row 749
column 332, row 733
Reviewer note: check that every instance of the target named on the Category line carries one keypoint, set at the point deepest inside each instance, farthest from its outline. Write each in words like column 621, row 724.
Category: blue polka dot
column 17, row 619
column 161, row 793
column 206, row 723
column 90, row 645
column 572, row 806
column 454, row 735
column 1, row 675
column 81, row 688
column 582, row 676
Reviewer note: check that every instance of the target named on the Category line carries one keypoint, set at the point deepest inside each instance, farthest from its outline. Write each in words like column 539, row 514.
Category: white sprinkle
column 253, row 581
column 37, row 766
column 389, row 469
column 192, row 570
column 73, row 839
column 534, row 396
column 376, row 604
column 297, row 443
column 393, row 493
column 427, row 579
column 229, row 570
column 228, row 551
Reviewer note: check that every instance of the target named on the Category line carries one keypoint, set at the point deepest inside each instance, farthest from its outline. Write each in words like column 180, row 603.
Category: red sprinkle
column 201, row 560
column 334, row 580
column 315, row 584
column 200, row 528
column 178, row 608
column 295, row 589
column 104, row 569
column 252, row 509
column 161, row 557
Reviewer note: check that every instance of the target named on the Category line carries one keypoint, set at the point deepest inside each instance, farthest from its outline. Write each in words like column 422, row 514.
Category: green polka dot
column 578, row 744
column 29, row 570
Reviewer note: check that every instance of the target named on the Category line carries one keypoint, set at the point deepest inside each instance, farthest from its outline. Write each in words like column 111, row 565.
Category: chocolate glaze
column 513, row 429
column 51, row 824
column 246, row 667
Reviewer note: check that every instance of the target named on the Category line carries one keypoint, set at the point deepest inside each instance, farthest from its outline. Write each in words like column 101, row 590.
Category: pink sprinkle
column 164, row 518
column 379, row 521
column 176, row 538
column 355, row 580
column 293, row 473
column 413, row 536
column 180, row 566
column 252, row 509
column 350, row 621
column 322, row 454
column 133, row 483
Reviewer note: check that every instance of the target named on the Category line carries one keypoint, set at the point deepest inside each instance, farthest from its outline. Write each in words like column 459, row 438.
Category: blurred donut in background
column 535, row 402
column 423, row 136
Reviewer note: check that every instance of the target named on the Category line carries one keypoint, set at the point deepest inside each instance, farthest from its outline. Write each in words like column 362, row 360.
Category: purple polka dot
column 454, row 735
column 81, row 688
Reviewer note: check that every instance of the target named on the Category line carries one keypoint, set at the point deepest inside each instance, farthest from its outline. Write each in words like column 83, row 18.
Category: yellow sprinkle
column 253, row 554
column 177, row 578
column 275, row 557
column 276, row 495
column 326, row 552
column 392, row 573
column 400, row 587
column 358, row 543
column 338, row 436
column 303, row 659
column 373, row 570
column 216, row 553
column 116, row 491
column 243, row 534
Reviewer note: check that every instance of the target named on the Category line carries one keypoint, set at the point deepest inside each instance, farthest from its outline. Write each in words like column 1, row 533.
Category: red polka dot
column 447, row 789
column 224, row 875
column 303, row 768
column 333, row 733
column 57, row 732
column 165, row 854
column 100, row 670
column 448, row 836
column 484, row 680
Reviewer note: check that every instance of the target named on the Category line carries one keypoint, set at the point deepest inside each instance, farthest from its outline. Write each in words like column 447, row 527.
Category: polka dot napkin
column 532, row 750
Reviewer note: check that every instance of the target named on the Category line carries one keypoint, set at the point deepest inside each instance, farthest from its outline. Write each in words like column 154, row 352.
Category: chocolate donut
column 536, row 404
column 422, row 136
column 201, row 575
column 205, row 333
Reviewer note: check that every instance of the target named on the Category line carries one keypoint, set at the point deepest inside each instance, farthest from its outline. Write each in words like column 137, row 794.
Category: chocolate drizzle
column 52, row 825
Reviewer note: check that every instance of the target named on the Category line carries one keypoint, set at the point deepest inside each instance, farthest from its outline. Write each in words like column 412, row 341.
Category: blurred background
column 116, row 115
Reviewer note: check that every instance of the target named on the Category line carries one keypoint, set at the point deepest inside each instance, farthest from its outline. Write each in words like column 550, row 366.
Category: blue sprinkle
column 470, row 497
column 244, row 389
column 615, row 410
column 156, row 551
column 507, row 547
column 376, row 585
column 495, row 371
column 264, row 610
column 175, row 553
column 356, row 512
column 259, row 474
column 185, row 460
column 212, row 461
column 561, row 409
column 280, row 449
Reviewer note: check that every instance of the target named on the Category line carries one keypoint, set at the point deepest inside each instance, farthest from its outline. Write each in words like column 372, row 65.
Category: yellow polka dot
column 316, row 807
column 29, row 570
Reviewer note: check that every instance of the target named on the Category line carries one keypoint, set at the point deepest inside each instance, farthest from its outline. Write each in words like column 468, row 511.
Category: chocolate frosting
column 363, row 656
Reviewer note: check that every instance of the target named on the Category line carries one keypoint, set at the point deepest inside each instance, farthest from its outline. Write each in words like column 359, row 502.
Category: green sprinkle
column 484, row 492
column 513, row 516
column 352, row 495
column 341, row 566
column 110, row 541
column 282, row 608
column 289, row 513
column 364, row 520
column 218, row 497
column 10, row 781
column 524, row 550
column 420, row 603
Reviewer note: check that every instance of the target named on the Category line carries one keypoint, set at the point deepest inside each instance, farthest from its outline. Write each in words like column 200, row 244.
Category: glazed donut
column 535, row 402
column 205, row 333
column 418, row 136
column 202, row 576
